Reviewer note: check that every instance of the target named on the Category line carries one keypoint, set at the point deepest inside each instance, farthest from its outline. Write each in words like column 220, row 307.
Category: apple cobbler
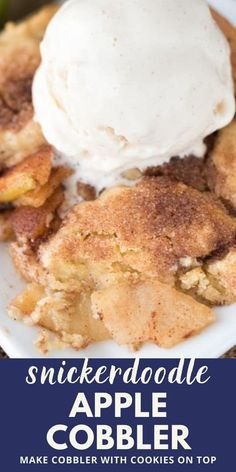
column 137, row 264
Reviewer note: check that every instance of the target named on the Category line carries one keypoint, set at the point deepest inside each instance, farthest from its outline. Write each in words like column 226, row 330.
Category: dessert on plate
column 118, row 159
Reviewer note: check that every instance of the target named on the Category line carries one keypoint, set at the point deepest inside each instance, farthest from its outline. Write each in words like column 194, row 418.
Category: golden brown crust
column 31, row 223
column 230, row 33
column 189, row 170
column 6, row 231
column 125, row 253
column 19, row 58
column 223, row 273
column 37, row 197
column 214, row 282
column 221, row 167
column 33, row 172
column 15, row 99
column 146, row 229
column 34, row 188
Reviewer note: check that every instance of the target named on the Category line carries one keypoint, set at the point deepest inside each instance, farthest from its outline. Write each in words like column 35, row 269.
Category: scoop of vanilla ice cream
column 126, row 84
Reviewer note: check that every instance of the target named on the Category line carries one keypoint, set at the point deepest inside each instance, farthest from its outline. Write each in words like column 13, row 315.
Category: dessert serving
column 118, row 159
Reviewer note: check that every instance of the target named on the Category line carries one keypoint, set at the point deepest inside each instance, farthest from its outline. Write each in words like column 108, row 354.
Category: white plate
column 18, row 340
